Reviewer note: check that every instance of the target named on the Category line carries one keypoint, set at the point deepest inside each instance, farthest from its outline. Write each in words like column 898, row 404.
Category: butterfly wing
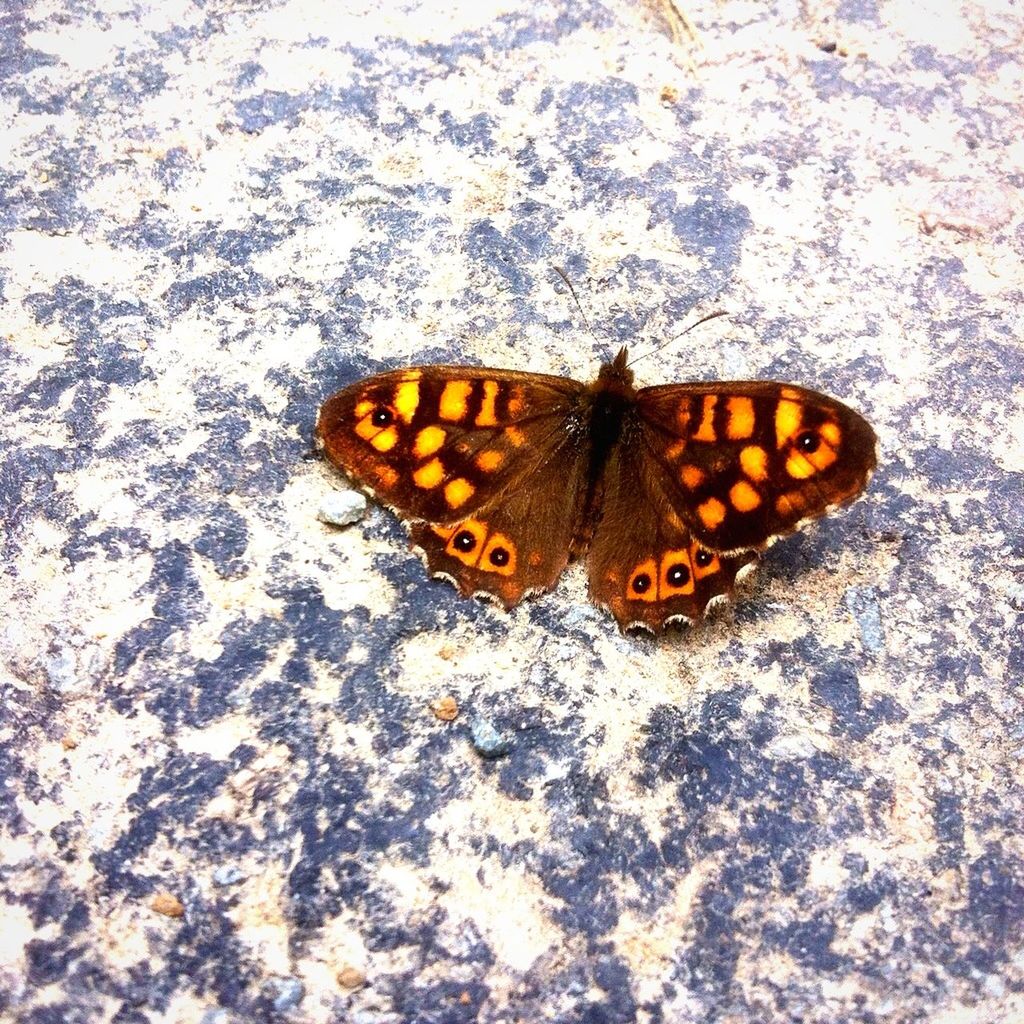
column 745, row 461
column 490, row 463
column 645, row 565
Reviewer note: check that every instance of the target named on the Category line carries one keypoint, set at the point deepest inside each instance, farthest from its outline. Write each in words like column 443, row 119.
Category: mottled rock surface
column 213, row 215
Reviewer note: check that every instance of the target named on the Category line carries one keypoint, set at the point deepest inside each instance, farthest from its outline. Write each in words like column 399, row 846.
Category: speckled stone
column 214, row 215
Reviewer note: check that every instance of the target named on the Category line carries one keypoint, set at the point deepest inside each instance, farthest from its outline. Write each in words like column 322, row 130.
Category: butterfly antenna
column 572, row 291
column 703, row 320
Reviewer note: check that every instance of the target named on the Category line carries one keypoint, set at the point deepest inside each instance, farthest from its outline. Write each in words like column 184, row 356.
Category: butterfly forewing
column 439, row 442
column 745, row 461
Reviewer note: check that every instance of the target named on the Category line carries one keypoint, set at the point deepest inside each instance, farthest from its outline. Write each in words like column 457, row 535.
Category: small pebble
column 487, row 741
column 342, row 508
column 167, row 904
column 445, row 708
column 351, row 977
column 228, row 874
column 68, row 742
column 286, row 992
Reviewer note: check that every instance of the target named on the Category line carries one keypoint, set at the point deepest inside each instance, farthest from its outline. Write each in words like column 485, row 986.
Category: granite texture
column 259, row 768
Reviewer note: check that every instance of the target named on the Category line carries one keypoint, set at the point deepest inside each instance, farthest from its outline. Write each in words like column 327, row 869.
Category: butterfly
column 669, row 492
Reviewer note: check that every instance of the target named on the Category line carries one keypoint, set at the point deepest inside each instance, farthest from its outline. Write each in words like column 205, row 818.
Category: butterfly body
column 669, row 491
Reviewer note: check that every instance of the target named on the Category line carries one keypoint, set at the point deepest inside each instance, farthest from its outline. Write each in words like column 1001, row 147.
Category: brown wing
column 491, row 463
column 746, row 461
column 437, row 443
column 645, row 565
column 519, row 543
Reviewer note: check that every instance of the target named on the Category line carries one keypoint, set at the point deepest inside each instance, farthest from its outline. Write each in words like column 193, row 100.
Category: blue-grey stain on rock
column 487, row 741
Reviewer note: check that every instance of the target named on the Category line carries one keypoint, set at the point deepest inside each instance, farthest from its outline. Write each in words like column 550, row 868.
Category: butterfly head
column 616, row 375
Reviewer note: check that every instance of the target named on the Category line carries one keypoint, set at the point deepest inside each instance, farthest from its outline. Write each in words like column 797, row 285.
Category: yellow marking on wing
column 788, row 417
column 740, row 418
column 407, row 397
column 366, row 428
column 486, row 416
column 754, row 462
column 429, row 475
column 385, row 440
column 711, row 513
column 706, row 430
column 791, row 393
column 650, row 570
column 364, row 407
column 831, row 432
column 515, row 436
column 428, row 441
column 411, row 375
column 490, row 460
column 692, row 476
column 458, row 491
column 453, row 400
column 743, row 497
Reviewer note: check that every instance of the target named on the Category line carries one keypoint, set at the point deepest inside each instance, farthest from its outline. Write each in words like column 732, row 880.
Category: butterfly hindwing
column 747, row 461
column 437, row 443
column 645, row 565
column 520, row 542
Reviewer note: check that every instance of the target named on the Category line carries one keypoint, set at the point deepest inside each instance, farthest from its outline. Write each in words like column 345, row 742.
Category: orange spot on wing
column 486, row 416
column 499, row 556
column 788, row 417
column 385, row 476
column 515, row 402
column 428, row 441
column 407, row 397
column 674, row 450
column 490, row 460
column 704, row 562
column 643, row 582
column 385, row 440
column 456, row 546
column 429, row 475
column 706, row 430
column 743, row 497
column 364, row 408
column 458, row 491
column 366, row 428
column 515, row 436
column 711, row 513
column 453, row 400
column 754, row 462
column 675, row 565
column 740, row 418
column 831, row 432
column 692, row 476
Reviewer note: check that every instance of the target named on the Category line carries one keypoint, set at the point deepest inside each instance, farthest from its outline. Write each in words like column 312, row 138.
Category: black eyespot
column 464, row 541
column 703, row 558
column 499, row 557
column 382, row 418
column 678, row 575
column 808, row 442
column 642, row 583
